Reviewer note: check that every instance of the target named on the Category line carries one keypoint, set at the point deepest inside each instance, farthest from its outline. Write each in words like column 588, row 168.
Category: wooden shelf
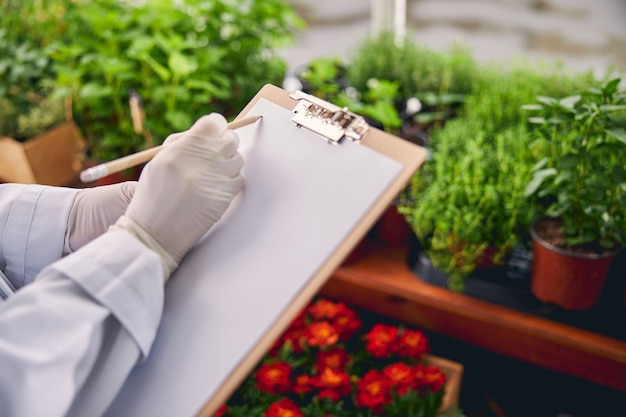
column 381, row 281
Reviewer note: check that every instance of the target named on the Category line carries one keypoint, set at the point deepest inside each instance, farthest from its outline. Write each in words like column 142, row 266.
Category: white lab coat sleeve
column 33, row 222
column 69, row 340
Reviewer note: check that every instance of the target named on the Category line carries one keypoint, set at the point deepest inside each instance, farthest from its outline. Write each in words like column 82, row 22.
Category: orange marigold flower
column 334, row 358
column 373, row 391
column 381, row 340
column 274, row 378
column 401, row 376
column 428, row 378
column 333, row 384
column 347, row 322
column 321, row 334
column 283, row 408
column 325, row 309
column 294, row 339
column 304, row 383
column 411, row 343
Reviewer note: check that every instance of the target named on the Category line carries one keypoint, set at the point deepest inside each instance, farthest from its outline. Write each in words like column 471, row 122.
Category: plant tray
column 454, row 375
column 509, row 285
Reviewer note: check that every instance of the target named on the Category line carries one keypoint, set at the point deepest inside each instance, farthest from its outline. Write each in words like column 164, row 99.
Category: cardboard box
column 55, row 157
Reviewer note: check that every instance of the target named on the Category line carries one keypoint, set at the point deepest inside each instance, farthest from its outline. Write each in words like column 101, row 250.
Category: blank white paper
column 302, row 198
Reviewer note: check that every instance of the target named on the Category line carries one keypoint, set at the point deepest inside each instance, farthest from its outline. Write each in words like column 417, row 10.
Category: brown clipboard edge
column 411, row 157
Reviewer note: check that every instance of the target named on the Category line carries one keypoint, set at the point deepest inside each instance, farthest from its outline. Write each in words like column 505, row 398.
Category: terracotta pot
column 359, row 252
column 392, row 229
column 572, row 281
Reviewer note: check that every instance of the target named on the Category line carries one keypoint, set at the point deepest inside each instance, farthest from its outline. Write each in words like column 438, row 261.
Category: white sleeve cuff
column 35, row 230
column 122, row 274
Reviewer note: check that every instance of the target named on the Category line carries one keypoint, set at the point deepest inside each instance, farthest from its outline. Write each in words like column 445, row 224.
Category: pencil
column 120, row 164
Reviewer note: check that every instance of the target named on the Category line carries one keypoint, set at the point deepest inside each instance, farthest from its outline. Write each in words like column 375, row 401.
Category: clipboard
column 311, row 195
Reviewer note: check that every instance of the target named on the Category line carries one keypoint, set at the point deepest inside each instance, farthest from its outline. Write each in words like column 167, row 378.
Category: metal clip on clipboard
column 332, row 122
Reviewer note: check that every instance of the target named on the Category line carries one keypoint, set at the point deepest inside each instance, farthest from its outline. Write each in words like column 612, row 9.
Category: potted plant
column 579, row 181
column 416, row 68
column 39, row 141
column 405, row 89
column 467, row 205
column 400, row 87
column 468, row 209
column 330, row 362
column 427, row 86
column 323, row 77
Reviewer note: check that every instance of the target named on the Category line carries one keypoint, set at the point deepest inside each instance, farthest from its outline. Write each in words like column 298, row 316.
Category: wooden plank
column 382, row 283
column 14, row 165
column 454, row 377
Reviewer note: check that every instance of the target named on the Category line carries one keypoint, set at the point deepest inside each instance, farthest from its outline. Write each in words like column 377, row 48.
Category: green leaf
column 593, row 92
column 569, row 102
column 611, row 87
column 116, row 66
column 429, row 117
column 532, row 107
column 618, row 133
column 557, row 120
column 537, row 180
column 179, row 120
column 163, row 73
column 61, row 92
column 537, row 120
column 451, row 98
column 181, row 65
column 569, row 161
column 612, row 107
column 194, row 84
column 554, row 211
column 549, row 101
column 542, row 163
column 609, row 147
column 384, row 112
column 619, row 174
column 563, row 177
column 94, row 91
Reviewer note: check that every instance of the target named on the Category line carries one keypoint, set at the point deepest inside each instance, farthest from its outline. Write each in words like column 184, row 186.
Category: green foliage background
column 184, row 58
column 467, row 204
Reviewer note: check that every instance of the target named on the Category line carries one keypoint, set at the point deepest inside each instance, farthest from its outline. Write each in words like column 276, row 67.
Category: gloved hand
column 94, row 211
column 185, row 189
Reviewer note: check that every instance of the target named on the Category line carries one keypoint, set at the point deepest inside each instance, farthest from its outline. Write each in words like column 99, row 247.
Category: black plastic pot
column 507, row 285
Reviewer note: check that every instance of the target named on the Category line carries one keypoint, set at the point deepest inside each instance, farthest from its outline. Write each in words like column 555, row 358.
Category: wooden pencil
column 129, row 161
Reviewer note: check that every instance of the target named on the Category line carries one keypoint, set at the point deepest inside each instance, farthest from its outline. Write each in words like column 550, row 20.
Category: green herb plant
column 467, row 208
column 323, row 77
column 378, row 103
column 405, row 69
column 183, row 58
column 416, row 68
column 580, row 176
column 27, row 106
column 468, row 201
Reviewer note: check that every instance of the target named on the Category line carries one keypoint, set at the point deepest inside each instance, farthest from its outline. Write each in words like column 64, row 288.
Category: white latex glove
column 94, row 211
column 185, row 189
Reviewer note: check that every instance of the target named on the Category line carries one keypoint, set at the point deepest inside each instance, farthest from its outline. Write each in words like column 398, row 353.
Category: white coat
column 73, row 327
